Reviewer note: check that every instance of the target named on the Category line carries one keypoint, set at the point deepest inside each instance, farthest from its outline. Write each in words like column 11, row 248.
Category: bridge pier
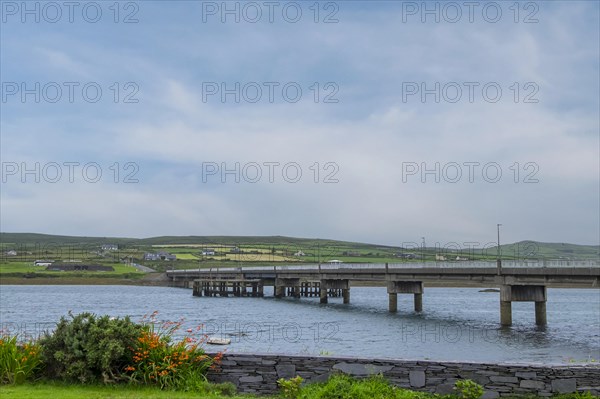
column 540, row 313
column 522, row 293
column 279, row 291
column 505, row 313
column 418, row 302
column 225, row 287
column 334, row 288
column 393, row 302
column 405, row 287
column 287, row 287
column 323, row 295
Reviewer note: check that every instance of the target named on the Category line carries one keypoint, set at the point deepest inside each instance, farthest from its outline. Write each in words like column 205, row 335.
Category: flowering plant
column 161, row 360
column 18, row 362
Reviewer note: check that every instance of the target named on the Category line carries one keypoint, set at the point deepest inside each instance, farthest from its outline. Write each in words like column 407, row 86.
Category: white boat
column 218, row 341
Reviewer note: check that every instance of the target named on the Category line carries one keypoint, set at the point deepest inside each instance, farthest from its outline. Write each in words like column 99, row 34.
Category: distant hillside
column 522, row 249
column 552, row 250
column 30, row 238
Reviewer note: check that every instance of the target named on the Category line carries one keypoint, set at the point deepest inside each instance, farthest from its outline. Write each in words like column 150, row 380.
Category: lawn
column 18, row 269
column 48, row 390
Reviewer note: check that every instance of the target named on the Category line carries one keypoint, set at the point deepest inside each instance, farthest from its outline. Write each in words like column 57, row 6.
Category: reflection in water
column 457, row 323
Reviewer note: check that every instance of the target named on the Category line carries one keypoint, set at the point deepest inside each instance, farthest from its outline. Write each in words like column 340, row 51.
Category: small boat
column 490, row 290
column 218, row 341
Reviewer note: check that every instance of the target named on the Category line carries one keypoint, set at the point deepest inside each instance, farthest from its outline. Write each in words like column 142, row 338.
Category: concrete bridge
column 517, row 280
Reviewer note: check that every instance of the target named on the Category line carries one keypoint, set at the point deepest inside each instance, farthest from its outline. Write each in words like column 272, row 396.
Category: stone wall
column 258, row 373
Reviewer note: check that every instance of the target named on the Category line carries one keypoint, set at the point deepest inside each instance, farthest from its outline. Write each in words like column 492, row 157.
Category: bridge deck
column 584, row 274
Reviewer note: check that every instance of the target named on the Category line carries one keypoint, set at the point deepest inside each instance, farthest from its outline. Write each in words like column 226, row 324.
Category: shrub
column 290, row 388
column 577, row 395
column 87, row 348
column 159, row 360
column 468, row 389
column 18, row 362
column 341, row 386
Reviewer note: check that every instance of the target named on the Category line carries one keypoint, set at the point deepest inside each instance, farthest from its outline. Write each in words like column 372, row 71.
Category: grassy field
column 239, row 251
column 27, row 270
column 47, row 390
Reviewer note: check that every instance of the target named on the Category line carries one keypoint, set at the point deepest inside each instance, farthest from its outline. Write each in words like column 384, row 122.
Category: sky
column 371, row 121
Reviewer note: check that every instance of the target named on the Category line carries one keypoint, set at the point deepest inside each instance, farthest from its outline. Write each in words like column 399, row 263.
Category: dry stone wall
column 258, row 373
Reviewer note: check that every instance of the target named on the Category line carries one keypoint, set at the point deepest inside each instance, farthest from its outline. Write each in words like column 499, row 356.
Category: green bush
column 18, row 362
column 290, row 388
column 468, row 389
column 87, row 348
column 579, row 395
column 341, row 386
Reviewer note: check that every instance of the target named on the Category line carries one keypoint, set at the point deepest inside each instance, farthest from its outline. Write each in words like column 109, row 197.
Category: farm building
column 110, row 247
column 162, row 255
column 70, row 267
column 43, row 263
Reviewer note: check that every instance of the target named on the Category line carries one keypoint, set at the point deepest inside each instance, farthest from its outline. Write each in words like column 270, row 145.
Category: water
column 457, row 323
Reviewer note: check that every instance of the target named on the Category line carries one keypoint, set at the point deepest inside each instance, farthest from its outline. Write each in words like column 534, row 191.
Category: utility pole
column 498, row 260
column 319, row 254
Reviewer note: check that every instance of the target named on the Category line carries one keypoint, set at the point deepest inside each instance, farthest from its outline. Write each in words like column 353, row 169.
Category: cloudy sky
column 374, row 121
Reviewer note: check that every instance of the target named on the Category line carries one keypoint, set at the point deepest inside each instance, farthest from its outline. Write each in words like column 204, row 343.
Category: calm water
column 457, row 323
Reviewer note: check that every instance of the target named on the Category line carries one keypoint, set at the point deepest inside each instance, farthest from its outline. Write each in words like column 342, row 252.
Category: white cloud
column 368, row 134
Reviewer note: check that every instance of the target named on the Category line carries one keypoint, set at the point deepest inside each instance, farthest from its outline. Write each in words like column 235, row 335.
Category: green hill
column 522, row 249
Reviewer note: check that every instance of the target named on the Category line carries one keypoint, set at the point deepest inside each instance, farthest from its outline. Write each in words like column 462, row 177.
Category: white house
column 43, row 263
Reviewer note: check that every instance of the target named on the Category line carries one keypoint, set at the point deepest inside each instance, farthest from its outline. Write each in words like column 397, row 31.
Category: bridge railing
column 397, row 266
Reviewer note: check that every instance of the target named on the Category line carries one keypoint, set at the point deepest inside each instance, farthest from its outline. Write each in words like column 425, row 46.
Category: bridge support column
column 522, row 293
column 279, row 291
column 334, row 288
column 405, row 287
column 540, row 313
column 261, row 289
column 287, row 287
column 323, row 295
column 506, row 313
column 418, row 302
column 393, row 302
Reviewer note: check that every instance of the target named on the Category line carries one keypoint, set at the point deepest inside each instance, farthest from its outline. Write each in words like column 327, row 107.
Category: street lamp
column 498, row 260
column 423, row 250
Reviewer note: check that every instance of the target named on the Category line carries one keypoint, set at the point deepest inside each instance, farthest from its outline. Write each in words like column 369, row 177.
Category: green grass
column 338, row 387
column 64, row 391
column 273, row 250
column 20, row 269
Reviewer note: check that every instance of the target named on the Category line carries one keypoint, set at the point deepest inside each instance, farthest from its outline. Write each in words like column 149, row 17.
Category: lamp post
column 498, row 260
column 423, row 250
